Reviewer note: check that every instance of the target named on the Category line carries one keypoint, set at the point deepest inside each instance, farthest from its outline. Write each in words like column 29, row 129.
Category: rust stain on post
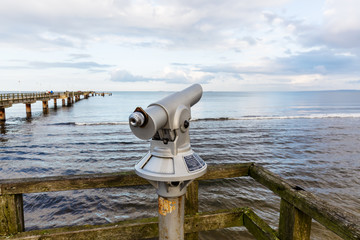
column 166, row 206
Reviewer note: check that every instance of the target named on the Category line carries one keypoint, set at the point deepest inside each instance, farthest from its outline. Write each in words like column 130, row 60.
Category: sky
column 166, row 45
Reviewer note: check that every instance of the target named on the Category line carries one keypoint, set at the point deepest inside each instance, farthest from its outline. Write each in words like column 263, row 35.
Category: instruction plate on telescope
column 194, row 162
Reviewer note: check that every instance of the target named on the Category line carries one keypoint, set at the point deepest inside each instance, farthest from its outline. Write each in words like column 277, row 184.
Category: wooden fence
column 297, row 208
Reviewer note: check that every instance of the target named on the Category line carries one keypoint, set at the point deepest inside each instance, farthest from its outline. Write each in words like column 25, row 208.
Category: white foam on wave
column 311, row 116
column 100, row 123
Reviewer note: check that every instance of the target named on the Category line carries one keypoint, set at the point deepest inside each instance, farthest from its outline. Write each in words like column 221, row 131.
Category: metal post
column 171, row 218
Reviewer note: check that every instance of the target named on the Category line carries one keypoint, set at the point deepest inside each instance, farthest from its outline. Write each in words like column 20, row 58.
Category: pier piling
column 45, row 106
column 2, row 114
column 63, row 102
column 28, row 110
column 55, row 103
column 69, row 101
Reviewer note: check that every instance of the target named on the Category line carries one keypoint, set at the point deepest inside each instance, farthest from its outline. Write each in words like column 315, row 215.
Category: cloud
column 310, row 62
column 354, row 81
column 120, row 75
column 266, row 66
column 79, row 55
column 322, row 61
column 168, row 75
column 339, row 25
column 159, row 24
column 261, row 42
column 93, row 66
column 80, row 65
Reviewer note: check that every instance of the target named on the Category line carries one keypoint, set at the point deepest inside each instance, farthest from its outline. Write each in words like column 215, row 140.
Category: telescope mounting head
column 171, row 164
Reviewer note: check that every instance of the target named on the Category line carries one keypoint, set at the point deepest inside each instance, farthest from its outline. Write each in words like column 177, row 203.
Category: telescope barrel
column 145, row 123
column 187, row 97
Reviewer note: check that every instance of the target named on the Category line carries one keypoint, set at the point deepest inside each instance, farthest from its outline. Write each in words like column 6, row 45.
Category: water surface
column 309, row 138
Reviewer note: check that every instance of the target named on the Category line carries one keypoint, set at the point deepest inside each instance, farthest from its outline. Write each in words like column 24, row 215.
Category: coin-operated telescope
column 170, row 165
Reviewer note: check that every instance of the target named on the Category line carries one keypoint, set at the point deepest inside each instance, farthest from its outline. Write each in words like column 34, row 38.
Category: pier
column 67, row 99
column 297, row 208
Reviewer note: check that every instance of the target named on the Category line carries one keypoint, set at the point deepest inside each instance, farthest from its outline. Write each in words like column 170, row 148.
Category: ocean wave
column 214, row 119
column 311, row 116
column 88, row 123
column 101, row 123
column 250, row 117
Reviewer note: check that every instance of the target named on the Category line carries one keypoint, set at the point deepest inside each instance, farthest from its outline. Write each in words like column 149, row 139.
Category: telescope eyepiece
column 137, row 119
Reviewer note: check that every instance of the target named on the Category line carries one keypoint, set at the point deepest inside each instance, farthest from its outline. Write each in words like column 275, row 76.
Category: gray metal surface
column 171, row 218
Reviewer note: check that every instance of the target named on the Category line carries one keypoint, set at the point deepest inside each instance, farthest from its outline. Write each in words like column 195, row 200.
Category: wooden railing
column 297, row 208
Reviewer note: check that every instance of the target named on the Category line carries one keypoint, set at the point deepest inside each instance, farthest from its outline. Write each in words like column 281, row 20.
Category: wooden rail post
column 11, row 214
column 293, row 223
column 192, row 206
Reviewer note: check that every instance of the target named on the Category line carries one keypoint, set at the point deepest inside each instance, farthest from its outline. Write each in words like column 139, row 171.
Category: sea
column 311, row 139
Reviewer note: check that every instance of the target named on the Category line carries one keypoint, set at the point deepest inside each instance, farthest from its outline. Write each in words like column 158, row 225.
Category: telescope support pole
column 171, row 218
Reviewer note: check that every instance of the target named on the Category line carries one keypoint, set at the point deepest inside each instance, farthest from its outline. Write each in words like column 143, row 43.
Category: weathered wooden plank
column 217, row 171
column 136, row 229
column 64, row 183
column 192, row 198
column 11, row 214
column 294, row 224
column 257, row 227
column 343, row 223
column 104, row 180
column 192, row 206
column 215, row 220
column 133, row 229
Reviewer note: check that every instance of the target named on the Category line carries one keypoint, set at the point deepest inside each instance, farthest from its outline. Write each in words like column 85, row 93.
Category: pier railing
column 297, row 208
column 7, row 99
